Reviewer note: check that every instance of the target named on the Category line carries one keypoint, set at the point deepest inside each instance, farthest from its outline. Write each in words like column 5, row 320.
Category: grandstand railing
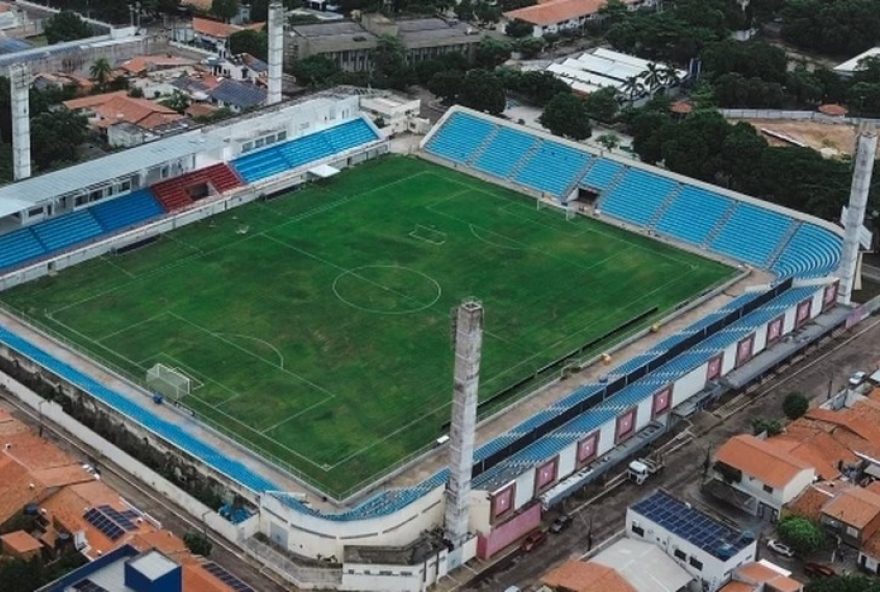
column 617, row 385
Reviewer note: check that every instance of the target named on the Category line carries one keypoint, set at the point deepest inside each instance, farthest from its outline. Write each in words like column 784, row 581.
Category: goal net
column 167, row 381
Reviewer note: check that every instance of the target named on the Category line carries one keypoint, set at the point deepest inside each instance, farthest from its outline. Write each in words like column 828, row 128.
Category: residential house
column 237, row 96
column 585, row 576
column 762, row 576
column 704, row 546
column 758, row 476
column 109, row 109
column 853, row 515
column 645, row 567
column 555, row 16
column 21, row 545
column 81, row 85
column 146, row 64
column 214, row 35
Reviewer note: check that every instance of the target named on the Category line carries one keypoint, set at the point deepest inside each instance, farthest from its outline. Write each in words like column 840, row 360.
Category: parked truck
column 639, row 470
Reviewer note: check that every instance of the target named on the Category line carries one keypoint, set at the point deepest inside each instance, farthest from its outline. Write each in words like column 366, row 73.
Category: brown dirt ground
column 840, row 138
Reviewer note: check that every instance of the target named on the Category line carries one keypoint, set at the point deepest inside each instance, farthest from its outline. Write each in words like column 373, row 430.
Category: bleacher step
column 716, row 230
column 664, row 207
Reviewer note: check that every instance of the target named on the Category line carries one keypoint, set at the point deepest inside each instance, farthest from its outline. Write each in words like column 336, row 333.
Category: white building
column 396, row 114
column 853, row 65
column 758, row 476
column 704, row 546
column 604, row 68
column 644, row 566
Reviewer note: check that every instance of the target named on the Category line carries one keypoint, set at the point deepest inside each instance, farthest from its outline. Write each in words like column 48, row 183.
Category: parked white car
column 780, row 548
column 857, row 378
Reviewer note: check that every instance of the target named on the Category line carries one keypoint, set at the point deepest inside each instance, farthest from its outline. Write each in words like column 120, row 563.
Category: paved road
column 834, row 360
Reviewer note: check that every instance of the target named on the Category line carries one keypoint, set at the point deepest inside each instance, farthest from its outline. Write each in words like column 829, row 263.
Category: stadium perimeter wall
column 53, row 412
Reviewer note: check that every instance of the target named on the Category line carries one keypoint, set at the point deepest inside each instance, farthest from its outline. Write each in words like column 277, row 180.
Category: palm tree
column 652, row 76
column 632, row 88
column 670, row 75
column 101, row 71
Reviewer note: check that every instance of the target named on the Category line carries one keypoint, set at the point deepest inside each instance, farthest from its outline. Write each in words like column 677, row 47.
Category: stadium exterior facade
column 369, row 540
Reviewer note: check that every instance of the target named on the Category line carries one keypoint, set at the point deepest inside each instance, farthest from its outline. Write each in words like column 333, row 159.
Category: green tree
column 66, row 26
column 486, row 12
column 56, row 136
column 537, row 87
column 565, row 115
column 609, row 141
column 801, row 534
column 795, row 405
column 224, row 9
column 198, row 543
column 529, row 47
column 771, row 427
column 602, row 104
column 136, row 92
column 249, row 41
column 491, row 53
column 101, row 71
column 863, row 98
column 314, row 70
column 177, row 101
column 652, row 77
column 446, row 85
column 464, row 10
column 483, row 91
column 390, row 69
column 518, row 28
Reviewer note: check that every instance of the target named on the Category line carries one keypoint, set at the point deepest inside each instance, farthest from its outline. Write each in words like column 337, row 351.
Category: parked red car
column 819, row 570
column 535, row 539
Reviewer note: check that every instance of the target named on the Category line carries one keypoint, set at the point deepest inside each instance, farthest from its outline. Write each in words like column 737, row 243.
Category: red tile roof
column 220, row 30
column 762, row 459
column 555, row 11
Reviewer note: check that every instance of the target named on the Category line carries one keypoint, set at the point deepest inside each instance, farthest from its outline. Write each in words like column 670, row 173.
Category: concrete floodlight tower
column 466, row 380
column 854, row 216
column 19, row 84
column 276, row 51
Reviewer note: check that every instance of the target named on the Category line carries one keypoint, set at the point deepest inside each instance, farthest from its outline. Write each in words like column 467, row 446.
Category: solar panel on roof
column 122, row 519
column 97, row 519
column 226, row 577
column 691, row 524
column 88, row 586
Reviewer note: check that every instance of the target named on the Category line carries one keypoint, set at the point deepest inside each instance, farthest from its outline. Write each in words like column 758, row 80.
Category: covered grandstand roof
column 44, row 188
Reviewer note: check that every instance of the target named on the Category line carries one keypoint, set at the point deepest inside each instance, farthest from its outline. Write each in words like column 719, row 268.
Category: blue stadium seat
column 504, row 151
column 67, row 230
column 752, row 234
column 693, row 214
column 459, row 137
column 129, row 210
column 601, row 174
column 19, row 246
column 812, row 251
column 637, row 196
column 279, row 158
column 553, row 168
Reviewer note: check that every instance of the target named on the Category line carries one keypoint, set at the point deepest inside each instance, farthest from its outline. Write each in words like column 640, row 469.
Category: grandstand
column 279, row 258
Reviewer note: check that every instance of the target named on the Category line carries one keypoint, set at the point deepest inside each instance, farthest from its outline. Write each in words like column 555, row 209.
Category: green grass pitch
column 316, row 326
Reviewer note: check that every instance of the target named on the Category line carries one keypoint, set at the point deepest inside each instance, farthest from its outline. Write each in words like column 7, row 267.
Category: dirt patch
column 831, row 139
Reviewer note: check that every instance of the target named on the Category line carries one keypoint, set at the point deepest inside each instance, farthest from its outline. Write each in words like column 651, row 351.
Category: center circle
column 386, row 289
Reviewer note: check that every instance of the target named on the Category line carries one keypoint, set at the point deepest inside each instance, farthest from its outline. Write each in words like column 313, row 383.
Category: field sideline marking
column 129, row 326
column 117, row 266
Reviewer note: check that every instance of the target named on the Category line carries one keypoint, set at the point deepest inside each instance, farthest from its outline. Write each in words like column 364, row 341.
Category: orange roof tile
column 63, row 475
column 92, row 100
column 580, row 576
column 139, row 64
column 737, row 587
column 810, row 502
column 219, row 30
column 555, row 11
column 855, row 506
column 852, row 419
column 761, row 459
column 759, row 573
column 163, row 540
column 871, row 546
column 196, row 577
column 816, row 447
column 21, row 542
column 17, row 488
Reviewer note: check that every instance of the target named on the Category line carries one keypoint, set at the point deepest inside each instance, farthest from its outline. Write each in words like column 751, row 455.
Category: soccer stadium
column 274, row 298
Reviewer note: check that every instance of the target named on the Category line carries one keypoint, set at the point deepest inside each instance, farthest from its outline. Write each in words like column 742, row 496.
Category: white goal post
column 168, row 381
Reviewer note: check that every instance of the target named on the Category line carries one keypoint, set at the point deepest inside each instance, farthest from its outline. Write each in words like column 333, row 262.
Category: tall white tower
column 276, row 51
column 19, row 84
column 466, row 381
column 866, row 148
